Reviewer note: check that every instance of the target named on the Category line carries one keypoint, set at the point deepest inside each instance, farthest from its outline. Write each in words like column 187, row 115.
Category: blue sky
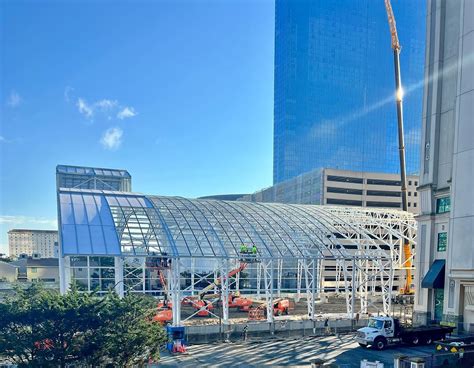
column 179, row 93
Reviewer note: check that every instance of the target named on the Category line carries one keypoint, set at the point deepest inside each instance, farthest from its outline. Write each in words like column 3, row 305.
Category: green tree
column 43, row 328
column 131, row 337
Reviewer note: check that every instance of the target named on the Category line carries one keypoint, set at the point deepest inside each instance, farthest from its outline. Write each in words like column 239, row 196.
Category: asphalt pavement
column 342, row 350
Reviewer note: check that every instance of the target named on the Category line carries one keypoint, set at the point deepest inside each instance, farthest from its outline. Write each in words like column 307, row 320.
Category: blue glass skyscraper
column 334, row 85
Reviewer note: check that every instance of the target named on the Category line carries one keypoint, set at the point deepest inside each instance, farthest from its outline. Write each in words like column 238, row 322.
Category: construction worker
column 243, row 249
column 254, row 250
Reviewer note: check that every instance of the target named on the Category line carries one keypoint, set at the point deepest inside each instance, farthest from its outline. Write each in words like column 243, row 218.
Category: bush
column 40, row 327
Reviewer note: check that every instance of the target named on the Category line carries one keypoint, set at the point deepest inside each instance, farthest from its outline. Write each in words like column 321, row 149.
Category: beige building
column 8, row 272
column 33, row 242
column 32, row 269
column 341, row 187
column 445, row 249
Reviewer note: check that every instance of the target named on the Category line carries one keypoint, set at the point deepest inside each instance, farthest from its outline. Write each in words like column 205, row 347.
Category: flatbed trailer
column 383, row 331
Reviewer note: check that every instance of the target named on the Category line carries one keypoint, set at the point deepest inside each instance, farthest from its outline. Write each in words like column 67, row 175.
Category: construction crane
column 407, row 289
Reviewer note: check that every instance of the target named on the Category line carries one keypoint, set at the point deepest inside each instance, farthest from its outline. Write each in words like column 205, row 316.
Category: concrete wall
column 255, row 330
column 447, row 167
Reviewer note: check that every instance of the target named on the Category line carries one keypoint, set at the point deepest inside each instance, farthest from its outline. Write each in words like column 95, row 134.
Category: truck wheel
column 380, row 343
column 415, row 340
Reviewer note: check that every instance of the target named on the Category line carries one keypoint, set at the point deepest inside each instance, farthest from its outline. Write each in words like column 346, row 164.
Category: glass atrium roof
column 92, row 171
column 94, row 222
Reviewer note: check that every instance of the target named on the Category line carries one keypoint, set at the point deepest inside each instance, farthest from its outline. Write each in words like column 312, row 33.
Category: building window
column 415, row 194
column 443, row 205
column 414, row 204
column 409, row 194
column 34, row 270
column 442, row 241
column 409, row 182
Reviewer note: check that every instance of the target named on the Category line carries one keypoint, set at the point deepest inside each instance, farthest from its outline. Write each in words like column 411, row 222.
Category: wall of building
column 332, row 66
column 41, row 242
column 8, row 272
column 42, row 273
column 447, row 164
column 341, row 187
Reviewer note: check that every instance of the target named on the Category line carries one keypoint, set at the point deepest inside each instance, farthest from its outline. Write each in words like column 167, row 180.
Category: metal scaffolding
column 296, row 246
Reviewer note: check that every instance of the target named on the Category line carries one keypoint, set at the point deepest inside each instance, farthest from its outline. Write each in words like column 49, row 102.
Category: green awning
column 434, row 278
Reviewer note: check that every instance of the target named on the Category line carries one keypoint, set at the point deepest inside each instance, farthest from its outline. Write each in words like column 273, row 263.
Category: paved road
column 296, row 353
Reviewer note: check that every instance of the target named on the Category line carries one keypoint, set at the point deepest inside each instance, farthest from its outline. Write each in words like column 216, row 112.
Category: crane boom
column 393, row 26
column 401, row 141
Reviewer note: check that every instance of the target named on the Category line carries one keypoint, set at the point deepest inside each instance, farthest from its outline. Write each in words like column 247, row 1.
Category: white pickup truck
column 383, row 331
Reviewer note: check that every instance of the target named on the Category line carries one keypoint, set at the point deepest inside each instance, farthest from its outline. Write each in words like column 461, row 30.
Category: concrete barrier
column 264, row 330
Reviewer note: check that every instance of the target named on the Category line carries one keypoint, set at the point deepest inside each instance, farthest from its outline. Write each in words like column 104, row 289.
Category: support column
column 267, row 268
column 193, row 267
column 299, row 276
column 119, row 287
column 353, row 288
column 310, row 281
column 175, row 290
column 64, row 274
column 259, row 279
column 224, row 281
column 349, row 304
column 279, row 276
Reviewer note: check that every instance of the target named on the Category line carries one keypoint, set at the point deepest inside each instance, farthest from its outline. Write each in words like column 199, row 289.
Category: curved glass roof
column 116, row 223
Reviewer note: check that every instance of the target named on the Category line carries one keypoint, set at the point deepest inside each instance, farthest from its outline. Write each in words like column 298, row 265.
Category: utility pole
column 401, row 140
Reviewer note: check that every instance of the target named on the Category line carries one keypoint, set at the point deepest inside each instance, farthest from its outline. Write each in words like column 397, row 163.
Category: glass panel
column 102, row 261
column 111, row 240
column 83, row 239
column 80, row 214
column 442, row 242
column 78, row 261
column 103, row 209
column 112, row 201
column 81, row 284
column 69, row 242
column 443, row 205
column 79, row 273
column 67, row 217
column 133, row 202
column 92, row 214
column 98, row 241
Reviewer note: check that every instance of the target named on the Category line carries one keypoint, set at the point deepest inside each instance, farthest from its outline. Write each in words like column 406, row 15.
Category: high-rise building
column 80, row 177
column 334, row 102
column 445, row 245
column 43, row 243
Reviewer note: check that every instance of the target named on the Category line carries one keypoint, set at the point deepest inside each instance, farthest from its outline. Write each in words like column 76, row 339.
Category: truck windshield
column 375, row 323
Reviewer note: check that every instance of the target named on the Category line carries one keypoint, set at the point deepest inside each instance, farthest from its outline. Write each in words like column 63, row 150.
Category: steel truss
column 297, row 246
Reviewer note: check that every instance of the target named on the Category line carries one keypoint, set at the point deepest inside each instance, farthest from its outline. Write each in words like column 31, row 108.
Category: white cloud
column 14, row 100
column 84, row 108
column 106, row 104
column 27, row 220
column 112, row 138
column 126, row 112
column 105, row 108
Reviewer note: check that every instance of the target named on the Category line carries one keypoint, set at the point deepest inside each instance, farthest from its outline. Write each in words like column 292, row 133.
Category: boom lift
column 407, row 289
column 165, row 313
column 199, row 304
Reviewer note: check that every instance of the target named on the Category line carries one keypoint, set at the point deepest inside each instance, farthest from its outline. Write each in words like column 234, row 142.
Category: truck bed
column 406, row 331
